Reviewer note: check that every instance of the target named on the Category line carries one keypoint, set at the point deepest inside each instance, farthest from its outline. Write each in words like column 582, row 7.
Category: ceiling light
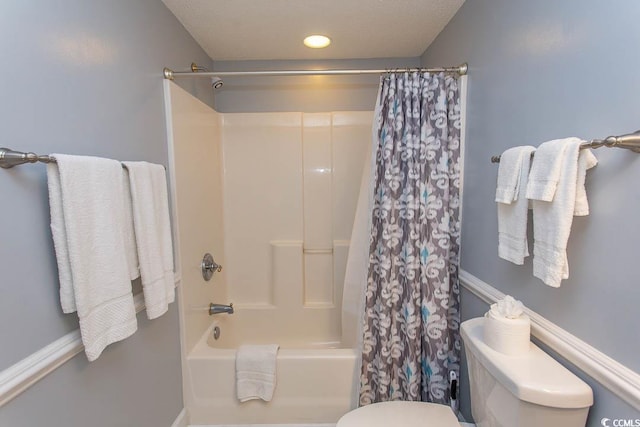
column 317, row 41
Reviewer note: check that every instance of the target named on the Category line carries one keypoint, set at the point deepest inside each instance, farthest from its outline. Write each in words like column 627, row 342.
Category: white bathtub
column 315, row 384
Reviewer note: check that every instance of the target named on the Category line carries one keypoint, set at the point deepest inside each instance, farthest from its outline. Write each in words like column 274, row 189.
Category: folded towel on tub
column 256, row 372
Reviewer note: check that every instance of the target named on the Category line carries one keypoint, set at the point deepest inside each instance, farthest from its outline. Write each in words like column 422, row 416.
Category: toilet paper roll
column 507, row 336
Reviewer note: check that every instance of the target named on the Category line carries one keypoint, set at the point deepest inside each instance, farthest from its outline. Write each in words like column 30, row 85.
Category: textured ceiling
column 274, row 29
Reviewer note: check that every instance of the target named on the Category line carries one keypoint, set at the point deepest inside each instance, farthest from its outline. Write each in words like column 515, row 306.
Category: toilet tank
column 532, row 390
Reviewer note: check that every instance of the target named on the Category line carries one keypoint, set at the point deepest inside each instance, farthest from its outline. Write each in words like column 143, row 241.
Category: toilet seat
column 397, row 413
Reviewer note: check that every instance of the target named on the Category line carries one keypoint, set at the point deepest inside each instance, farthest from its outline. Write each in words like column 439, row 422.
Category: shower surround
column 272, row 196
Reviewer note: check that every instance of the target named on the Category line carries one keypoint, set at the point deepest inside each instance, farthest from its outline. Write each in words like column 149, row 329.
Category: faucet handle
column 209, row 266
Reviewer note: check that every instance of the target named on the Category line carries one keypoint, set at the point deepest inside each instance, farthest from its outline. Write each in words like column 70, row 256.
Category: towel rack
column 10, row 158
column 630, row 141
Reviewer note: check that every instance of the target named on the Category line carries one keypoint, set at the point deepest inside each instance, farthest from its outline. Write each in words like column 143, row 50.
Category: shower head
column 216, row 82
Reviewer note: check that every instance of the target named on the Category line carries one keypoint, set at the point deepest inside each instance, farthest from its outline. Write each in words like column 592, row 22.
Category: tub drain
column 216, row 332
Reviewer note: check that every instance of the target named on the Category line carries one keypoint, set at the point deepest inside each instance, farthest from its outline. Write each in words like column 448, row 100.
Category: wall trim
column 620, row 380
column 19, row 377
column 25, row 373
column 617, row 378
column 181, row 419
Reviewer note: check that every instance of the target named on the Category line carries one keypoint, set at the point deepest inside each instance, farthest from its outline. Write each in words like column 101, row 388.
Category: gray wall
column 302, row 93
column 82, row 78
column 538, row 71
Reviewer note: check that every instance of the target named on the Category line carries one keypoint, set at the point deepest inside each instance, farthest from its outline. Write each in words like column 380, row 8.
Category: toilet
column 506, row 391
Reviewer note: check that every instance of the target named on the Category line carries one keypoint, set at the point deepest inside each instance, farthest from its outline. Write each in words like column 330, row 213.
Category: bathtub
column 315, row 384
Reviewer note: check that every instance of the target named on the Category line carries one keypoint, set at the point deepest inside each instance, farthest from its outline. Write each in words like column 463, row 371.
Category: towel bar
column 10, row 158
column 630, row 141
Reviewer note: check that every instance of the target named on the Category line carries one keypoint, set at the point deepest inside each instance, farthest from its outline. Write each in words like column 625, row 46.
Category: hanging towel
column 513, row 206
column 150, row 205
column 586, row 160
column 510, row 173
column 130, row 236
column 546, row 168
column 552, row 220
column 256, row 372
column 86, row 197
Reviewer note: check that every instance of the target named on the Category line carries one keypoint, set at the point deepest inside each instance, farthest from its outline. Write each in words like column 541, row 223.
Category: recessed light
column 317, row 41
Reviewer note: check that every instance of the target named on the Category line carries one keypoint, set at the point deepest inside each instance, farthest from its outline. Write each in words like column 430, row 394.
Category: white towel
column 150, row 204
column 86, row 197
column 512, row 216
column 256, row 372
column 130, row 236
column 552, row 220
column 586, row 160
column 546, row 168
column 509, row 173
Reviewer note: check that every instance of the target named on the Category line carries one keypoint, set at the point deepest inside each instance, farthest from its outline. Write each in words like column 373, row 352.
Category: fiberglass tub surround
column 291, row 184
column 273, row 198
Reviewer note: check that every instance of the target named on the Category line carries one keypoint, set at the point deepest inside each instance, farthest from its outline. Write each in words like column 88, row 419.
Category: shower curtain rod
column 171, row 75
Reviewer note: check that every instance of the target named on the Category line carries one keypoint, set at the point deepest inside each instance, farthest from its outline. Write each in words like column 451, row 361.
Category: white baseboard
column 617, row 378
column 181, row 419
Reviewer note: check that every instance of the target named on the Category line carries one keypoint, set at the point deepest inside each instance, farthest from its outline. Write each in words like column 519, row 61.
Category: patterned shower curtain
column 411, row 322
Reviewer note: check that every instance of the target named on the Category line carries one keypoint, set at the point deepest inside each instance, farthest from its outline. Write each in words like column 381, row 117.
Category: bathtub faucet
column 220, row 308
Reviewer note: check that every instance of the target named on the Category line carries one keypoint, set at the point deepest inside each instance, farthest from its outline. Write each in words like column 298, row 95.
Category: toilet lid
column 406, row 414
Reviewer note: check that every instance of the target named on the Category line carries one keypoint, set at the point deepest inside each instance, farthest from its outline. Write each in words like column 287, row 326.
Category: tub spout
column 220, row 308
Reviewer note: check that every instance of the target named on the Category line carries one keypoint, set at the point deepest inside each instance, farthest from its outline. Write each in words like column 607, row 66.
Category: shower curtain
column 410, row 333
